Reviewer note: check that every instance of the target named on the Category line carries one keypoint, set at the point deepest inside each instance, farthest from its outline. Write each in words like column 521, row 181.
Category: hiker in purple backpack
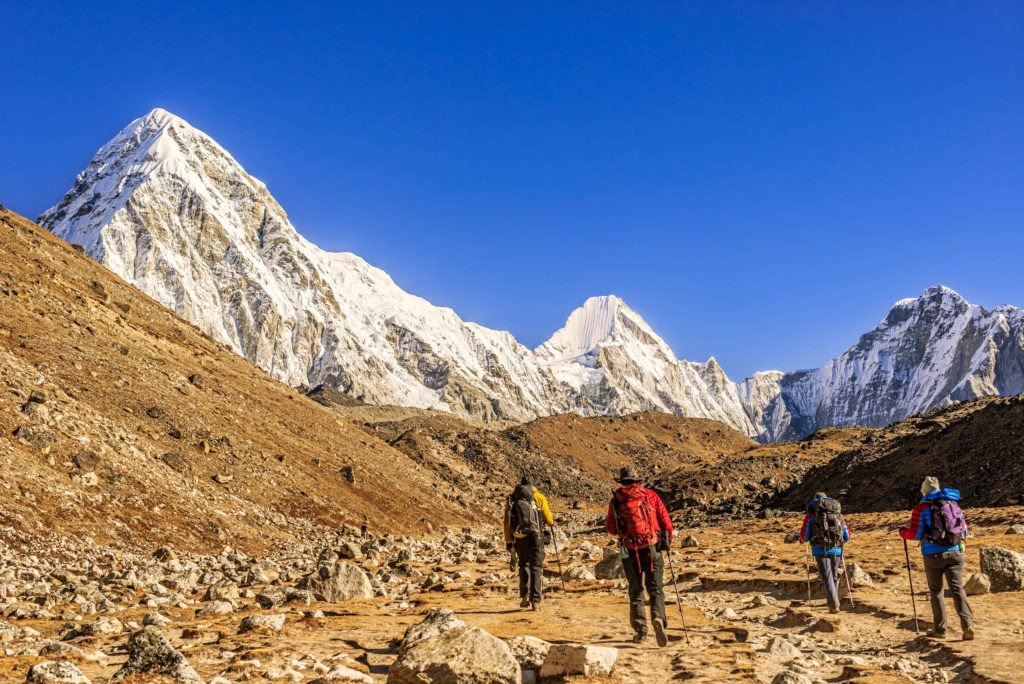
column 939, row 524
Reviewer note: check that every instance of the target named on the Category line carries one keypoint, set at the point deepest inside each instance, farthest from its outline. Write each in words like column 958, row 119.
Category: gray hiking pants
column 645, row 569
column 828, row 568
column 531, row 567
column 949, row 565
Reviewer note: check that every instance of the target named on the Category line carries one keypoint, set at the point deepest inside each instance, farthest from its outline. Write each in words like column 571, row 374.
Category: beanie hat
column 930, row 484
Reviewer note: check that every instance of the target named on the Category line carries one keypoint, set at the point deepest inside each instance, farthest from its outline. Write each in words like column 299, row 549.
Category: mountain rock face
column 929, row 351
column 170, row 211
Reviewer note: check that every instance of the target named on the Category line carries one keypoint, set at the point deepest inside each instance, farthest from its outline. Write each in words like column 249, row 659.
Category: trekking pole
column 807, row 565
column 910, row 576
column 558, row 557
column 679, row 599
column 849, row 587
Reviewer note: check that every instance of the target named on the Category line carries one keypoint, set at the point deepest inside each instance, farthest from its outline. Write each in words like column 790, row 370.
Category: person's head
column 930, row 484
column 526, row 480
column 627, row 476
column 821, row 495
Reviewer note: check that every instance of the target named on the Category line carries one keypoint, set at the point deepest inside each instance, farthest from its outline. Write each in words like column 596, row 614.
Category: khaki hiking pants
column 949, row 565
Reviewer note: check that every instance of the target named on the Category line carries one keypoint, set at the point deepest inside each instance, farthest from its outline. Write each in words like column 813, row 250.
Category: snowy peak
column 585, row 329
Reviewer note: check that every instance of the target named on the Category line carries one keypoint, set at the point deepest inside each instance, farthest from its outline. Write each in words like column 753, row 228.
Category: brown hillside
column 976, row 447
column 119, row 419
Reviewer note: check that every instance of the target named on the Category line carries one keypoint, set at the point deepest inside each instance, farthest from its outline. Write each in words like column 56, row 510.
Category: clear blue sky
column 760, row 180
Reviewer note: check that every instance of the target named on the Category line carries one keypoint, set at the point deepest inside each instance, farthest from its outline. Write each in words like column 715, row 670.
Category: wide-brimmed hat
column 627, row 475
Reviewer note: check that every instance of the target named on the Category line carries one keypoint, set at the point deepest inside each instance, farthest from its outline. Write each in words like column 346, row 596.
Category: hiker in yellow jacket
column 526, row 511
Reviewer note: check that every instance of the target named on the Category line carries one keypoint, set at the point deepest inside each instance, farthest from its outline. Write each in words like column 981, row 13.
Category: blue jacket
column 921, row 521
column 807, row 531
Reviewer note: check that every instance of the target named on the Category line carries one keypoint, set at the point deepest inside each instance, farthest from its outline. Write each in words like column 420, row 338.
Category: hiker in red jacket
column 638, row 517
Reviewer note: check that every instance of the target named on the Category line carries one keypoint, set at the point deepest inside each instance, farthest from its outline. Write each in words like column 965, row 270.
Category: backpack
column 523, row 514
column 948, row 526
column 635, row 519
column 827, row 531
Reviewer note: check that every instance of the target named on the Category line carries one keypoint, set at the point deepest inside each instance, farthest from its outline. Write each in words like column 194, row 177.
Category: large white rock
column 577, row 659
column 1004, row 568
column 437, row 622
column 464, row 655
column 56, row 672
column 340, row 673
column 530, row 652
column 338, row 581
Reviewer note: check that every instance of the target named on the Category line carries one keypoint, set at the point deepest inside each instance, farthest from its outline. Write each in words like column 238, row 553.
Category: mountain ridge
column 171, row 211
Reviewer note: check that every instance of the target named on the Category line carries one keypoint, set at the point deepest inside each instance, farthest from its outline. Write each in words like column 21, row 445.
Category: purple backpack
column 949, row 526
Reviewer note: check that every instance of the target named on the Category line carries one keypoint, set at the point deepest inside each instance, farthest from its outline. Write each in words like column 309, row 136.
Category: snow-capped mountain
column 928, row 351
column 169, row 210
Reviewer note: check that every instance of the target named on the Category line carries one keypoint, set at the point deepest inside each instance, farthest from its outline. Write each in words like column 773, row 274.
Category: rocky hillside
column 125, row 423
column 977, row 447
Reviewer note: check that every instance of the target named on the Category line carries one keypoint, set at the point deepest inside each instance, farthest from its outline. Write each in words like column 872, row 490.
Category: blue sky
column 759, row 180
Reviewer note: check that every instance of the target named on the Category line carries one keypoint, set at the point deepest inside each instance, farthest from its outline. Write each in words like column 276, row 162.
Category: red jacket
column 661, row 521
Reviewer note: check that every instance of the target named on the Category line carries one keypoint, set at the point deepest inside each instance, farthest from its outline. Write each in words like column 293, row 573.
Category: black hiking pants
column 948, row 566
column 828, row 568
column 531, row 567
column 645, row 569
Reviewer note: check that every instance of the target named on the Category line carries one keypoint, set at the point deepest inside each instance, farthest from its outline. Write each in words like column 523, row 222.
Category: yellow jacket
column 542, row 505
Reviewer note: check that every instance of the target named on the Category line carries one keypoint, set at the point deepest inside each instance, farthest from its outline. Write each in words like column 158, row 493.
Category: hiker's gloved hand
column 663, row 542
column 508, row 547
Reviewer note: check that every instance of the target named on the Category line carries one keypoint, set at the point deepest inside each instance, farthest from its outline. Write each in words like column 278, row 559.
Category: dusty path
column 744, row 593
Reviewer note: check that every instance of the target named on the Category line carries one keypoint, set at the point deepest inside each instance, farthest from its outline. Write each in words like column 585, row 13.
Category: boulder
column 340, row 673
column 610, row 567
column 689, row 542
column 578, row 572
column 437, row 622
column 530, row 652
column 859, row 577
column 781, row 648
column 788, row 677
column 150, row 653
column 262, row 623
column 338, row 581
column 1015, row 529
column 464, row 655
column 977, row 583
column 56, row 672
column 577, row 659
column 1005, row 568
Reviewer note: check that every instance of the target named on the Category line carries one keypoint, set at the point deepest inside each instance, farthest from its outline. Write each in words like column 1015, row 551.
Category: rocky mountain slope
column 125, row 424
column 169, row 210
column 929, row 351
column 976, row 446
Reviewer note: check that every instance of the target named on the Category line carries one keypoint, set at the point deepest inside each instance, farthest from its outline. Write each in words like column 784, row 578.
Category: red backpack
column 635, row 518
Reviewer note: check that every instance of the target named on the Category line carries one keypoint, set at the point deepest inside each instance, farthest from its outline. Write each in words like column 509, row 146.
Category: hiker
column 638, row 517
column 524, row 536
column 825, row 529
column 939, row 524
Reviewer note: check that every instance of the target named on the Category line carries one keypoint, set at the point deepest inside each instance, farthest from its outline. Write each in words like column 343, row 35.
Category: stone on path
column 340, row 673
column 56, row 672
column 577, row 659
column 262, row 623
column 611, row 567
column 338, row 581
column 149, row 652
column 977, row 583
column 530, row 652
column 1004, row 568
column 437, row 622
column 464, row 655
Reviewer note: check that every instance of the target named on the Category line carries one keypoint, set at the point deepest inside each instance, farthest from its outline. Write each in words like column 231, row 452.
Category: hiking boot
column 969, row 634
column 659, row 632
column 639, row 637
column 525, row 603
column 935, row 634
column 833, row 610
column 534, row 604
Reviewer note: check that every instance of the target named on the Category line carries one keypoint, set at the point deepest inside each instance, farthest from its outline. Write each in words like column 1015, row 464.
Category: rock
column 464, row 655
column 262, row 623
column 977, row 584
column 149, row 652
column 349, row 473
column 787, row 677
column 578, row 572
column 9, row 632
column 530, row 652
column 781, row 648
column 100, row 627
column 860, row 578
column 576, row 659
column 156, row 620
column 56, row 672
column 1015, row 529
column 1005, row 568
column 223, row 479
column 340, row 673
column 610, row 568
column 338, row 581
column 437, row 622
column 216, row 608
column 559, row 538
column 791, row 538
column 689, row 542
column 349, row 550
column 86, row 461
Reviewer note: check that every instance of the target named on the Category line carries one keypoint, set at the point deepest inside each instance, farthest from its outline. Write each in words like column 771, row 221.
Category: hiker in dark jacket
column 526, row 511
column 826, row 546
column 638, row 517
column 939, row 524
